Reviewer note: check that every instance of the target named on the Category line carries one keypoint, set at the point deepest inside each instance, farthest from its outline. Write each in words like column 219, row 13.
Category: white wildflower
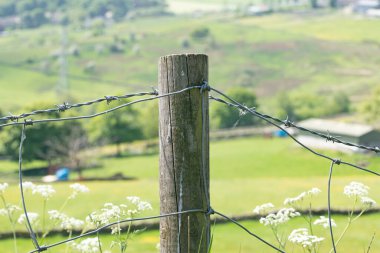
column 78, row 188
column 9, row 209
column 133, row 199
column 313, row 191
column 115, row 229
column 89, row 245
column 70, row 224
column 158, row 246
column 54, row 214
column 301, row 237
column 264, row 208
column 144, row 205
column 282, row 216
column 140, row 204
column 324, row 221
column 28, row 186
column 355, row 189
column 33, row 218
column 3, row 212
column 367, row 201
column 45, row 191
column 3, row 187
column 295, row 200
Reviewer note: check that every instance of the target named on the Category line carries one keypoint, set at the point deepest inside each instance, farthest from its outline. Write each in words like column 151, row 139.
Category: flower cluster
column 298, row 199
column 65, row 222
column 9, row 210
column 78, row 188
column 324, row 221
column 89, row 245
column 359, row 190
column 114, row 213
column 139, row 204
column 3, row 187
column 33, row 218
column 301, row 237
column 264, row 208
column 282, row 216
column 45, row 191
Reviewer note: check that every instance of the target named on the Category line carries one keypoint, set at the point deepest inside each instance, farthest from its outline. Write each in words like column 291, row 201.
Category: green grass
column 244, row 173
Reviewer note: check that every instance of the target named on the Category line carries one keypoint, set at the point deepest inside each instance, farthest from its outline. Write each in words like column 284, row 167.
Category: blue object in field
column 62, row 174
column 280, row 133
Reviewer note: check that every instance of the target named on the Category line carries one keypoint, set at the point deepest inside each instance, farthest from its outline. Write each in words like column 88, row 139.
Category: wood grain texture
column 182, row 181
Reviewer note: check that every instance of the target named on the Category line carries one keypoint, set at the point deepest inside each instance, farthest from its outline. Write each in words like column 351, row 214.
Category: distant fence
column 184, row 153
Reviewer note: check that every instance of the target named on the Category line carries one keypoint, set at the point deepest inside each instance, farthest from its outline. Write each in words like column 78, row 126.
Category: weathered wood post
column 184, row 170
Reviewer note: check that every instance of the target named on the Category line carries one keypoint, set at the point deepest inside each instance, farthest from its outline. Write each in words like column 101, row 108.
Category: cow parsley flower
column 33, row 218
column 295, row 200
column 282, row 216
column 313, row 191
column 140, row 205
column 367, row 201
column 324, row 221
column 45, row 191
column 264, row 208
column 3, row 187
column 301, row 237
column 78, row 188
column 89, row 245
column 28, row 186
column 356, row 189
column 65, row 222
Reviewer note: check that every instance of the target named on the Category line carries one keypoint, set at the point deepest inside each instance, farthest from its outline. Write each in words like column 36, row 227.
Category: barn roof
column 335, row 127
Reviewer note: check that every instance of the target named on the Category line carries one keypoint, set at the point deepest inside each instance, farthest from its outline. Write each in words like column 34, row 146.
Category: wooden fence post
column 184, row 178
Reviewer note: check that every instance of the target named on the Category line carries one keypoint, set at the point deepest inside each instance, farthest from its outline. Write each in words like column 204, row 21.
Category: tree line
column 34, row 13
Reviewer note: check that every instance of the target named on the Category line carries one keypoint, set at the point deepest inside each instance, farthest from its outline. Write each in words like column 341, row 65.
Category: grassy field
column 243, row 175
column 322, row 53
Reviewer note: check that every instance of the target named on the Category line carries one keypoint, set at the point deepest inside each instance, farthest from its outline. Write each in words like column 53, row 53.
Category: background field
column 321, row 53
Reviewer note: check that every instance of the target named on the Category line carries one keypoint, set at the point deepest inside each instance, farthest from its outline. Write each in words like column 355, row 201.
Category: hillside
column 318, row 54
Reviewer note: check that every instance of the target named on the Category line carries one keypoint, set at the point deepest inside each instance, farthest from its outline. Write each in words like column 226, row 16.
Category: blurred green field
column 319, row 54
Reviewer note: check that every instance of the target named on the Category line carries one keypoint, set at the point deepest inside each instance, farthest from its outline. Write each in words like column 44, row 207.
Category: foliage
column 35, row 13
column 115, row 127
column 149, row 120
column 306, row 105
column 200, row 33
column 46, row 141
column 227, row 117
column 371, row 107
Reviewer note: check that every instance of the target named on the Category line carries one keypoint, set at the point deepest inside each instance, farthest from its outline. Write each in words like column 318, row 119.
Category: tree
column 39, row 136
column 371, row 107
column 227, row 117
column 149, row 127
column 115, row 127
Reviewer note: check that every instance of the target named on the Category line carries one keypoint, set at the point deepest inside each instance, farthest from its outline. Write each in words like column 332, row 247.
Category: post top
column 184, row 55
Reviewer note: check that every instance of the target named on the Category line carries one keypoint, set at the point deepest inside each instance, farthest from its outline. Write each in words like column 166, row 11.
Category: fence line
column 231, row 102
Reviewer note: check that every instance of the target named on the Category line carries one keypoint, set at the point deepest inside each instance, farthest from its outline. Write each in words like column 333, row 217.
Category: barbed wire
column 255, row 113
column 209, row 211
column 288, row 123
column 66, row 106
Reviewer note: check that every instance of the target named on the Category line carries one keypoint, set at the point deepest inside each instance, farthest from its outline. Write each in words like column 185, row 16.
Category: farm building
column 349, row 132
